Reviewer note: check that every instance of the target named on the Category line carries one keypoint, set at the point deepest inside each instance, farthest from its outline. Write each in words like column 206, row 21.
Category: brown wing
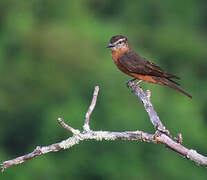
column 137, row 64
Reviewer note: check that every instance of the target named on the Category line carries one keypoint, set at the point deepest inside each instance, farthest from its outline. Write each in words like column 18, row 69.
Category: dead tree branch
column 161, row 135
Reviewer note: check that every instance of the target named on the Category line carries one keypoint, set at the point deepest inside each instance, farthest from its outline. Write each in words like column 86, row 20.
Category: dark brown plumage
column 115, row 38
column 131, row 63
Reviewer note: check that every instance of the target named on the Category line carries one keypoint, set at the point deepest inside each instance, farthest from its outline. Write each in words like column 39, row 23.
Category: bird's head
column 118, row 42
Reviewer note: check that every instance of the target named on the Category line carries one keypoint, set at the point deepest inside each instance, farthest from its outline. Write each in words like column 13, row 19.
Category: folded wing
column 138, row 64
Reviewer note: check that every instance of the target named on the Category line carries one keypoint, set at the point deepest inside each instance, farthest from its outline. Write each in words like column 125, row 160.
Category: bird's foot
column 137, row 84
column 129, row 81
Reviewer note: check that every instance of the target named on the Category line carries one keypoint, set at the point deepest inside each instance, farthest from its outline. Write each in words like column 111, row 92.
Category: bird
column 132, row 64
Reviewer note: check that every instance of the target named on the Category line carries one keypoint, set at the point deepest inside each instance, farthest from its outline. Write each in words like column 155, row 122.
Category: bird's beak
column 109, row 45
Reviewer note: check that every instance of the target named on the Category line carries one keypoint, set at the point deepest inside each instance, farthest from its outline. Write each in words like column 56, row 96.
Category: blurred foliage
column 52, row 54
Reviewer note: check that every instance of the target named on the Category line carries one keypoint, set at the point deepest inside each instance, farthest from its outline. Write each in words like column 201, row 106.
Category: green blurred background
column 52, row 54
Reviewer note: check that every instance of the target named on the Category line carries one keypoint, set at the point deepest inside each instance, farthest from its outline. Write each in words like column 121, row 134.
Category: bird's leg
column 137, row 84
column 131, row 80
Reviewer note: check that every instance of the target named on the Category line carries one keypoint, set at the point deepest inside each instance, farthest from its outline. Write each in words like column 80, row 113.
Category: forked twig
column 161, row 135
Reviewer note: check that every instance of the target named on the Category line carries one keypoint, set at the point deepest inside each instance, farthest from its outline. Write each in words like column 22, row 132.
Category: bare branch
column 161, row 135
column 64, row 125
column 78, row 137
column 145, row 98
column 90, row 109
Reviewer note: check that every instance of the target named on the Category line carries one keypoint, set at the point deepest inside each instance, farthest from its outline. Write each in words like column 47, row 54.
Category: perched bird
column 132, row 64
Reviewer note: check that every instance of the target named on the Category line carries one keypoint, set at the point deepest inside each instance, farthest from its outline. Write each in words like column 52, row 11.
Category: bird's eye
column 120, row 42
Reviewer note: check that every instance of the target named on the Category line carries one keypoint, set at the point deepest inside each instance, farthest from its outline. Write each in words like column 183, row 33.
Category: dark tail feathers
column 172, row 84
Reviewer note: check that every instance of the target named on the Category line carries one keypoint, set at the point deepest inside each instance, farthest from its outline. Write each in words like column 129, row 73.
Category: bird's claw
column 129, row 81
column 137, row 84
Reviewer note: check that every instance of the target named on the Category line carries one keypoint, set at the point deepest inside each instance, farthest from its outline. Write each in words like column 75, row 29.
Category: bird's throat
column 116, row 54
